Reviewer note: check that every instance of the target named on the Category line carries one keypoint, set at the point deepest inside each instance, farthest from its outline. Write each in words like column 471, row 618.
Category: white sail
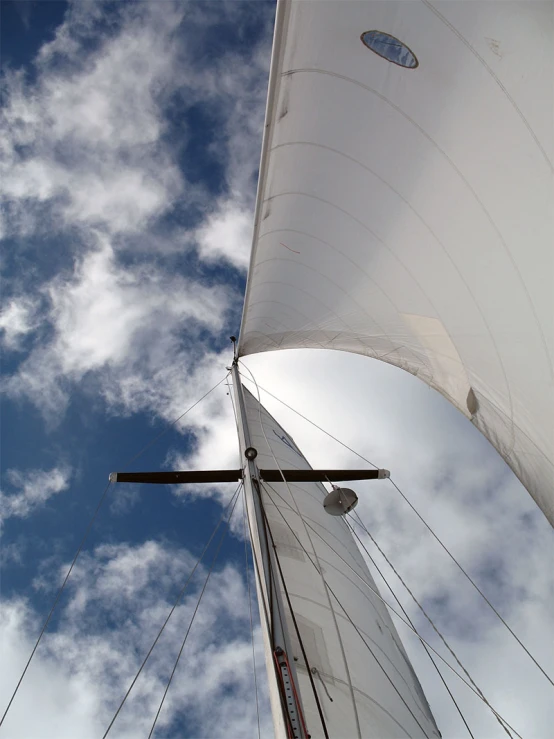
column 405, row 207
column 361, row 672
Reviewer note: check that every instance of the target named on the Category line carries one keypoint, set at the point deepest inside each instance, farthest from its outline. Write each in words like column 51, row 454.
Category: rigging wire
column 477, row 588
column 250, row 610
column 376, row 592
column 374, row 563
column 212, row 565
column 418, row 604
column 173, row 423
column 418, row 514
column 175, row 604
column 83, row 540
column 58, row 595
column 328, row 587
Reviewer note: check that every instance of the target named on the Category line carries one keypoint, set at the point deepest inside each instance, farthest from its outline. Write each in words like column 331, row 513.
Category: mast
column 283, row 684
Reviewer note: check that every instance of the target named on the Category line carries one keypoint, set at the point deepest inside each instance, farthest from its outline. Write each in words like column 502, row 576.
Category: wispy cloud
column 92, row 153
column 118, row 598
column 17, row 319
column 31, row 489
column 125, row 323
column 86, row 135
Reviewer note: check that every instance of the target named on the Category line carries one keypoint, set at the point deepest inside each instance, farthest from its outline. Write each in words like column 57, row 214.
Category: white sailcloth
column 407, row 212
column 364, row 680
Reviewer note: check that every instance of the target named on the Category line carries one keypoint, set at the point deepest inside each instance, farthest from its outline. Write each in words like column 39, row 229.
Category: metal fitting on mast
column 235, row 357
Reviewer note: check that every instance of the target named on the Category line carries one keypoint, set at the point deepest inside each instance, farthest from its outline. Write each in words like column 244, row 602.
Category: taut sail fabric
column 365, row 682
column 406, row 205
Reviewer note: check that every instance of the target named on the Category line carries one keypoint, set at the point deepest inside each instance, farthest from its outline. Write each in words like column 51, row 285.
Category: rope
column 192, row 619
column 250, row 612
column 376, row 592
column 374, row 563
column 315, row 671
column 414, row 509
column 60, row 591
column 176, row 603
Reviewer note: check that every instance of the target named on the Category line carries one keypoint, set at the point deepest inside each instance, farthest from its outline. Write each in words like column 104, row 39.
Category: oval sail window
column 390, row 48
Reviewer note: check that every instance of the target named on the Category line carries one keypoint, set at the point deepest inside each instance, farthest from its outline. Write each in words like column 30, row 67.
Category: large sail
column 360, row 671
column 405, row 204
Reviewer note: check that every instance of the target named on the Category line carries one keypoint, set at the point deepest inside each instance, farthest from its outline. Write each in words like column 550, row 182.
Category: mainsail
column 356, row 664
column 405, row 205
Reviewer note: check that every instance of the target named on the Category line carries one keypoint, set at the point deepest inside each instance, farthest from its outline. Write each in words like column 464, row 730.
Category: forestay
column 363, row 677
column 405, row 205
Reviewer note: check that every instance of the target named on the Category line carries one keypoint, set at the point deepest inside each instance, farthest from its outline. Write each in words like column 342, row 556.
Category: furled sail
column 405, row 207
column 362, row 675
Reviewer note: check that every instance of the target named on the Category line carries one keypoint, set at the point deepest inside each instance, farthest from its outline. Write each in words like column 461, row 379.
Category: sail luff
column 281, row 18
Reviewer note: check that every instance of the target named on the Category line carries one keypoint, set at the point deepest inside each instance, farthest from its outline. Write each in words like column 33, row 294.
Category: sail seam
column 328, row 590
column 391, row 608
column 406, row 623
column 394, row 667
column 460, row 174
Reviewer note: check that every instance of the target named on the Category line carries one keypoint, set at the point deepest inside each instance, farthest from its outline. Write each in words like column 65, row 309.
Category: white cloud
column 227, row 234
column 110, row 308
column 17, row 319
column 86, row 136
column 128, row 322
column 32, row 488
column 88, row 156
column 118, row 598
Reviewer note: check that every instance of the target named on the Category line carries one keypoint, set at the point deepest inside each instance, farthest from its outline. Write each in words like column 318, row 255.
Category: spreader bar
column 177, row 478
column 321, row 475
column 203, row 476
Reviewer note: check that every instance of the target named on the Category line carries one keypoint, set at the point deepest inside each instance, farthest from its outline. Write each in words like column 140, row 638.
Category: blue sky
column 130, row 143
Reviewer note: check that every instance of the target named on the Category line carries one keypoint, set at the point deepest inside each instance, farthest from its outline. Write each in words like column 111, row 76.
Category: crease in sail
column 416, row 207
